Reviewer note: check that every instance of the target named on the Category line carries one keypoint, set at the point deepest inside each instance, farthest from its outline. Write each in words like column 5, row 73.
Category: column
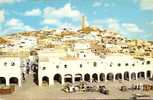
column 90, row 78
column 151, row 74
column 136, row 76
column 63, row 82
column 105, row 77
column 122, row 78
column 98, row 78
column 82, row 77
column 7, row 82
column 51, row 81
column 129, row 76
column 73, row 79
column 145, row 75
column 40, row 81
column 19, row 84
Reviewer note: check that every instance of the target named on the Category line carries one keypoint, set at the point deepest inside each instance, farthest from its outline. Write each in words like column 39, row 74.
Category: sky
column 131, row 18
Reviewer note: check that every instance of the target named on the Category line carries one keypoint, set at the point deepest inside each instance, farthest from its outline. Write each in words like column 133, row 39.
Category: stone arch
column 110, row 76
column 141, row 75
column 78, row 77
column 102, row 77
column 87, row 77
column 133, row 76
column 118, row 76
column 57, row 78
column 126, row 75
column 45, row 80
column 68, row 78
column 95, row 77
column 148, row 74
column 13, row 80
column 2, row 80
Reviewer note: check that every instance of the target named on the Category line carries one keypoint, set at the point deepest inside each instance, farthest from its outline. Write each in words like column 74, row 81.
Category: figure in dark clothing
column 23, row 76
column 28, row 69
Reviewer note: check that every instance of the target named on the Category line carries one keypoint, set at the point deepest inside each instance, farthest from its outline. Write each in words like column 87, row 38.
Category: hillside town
column 60, row 56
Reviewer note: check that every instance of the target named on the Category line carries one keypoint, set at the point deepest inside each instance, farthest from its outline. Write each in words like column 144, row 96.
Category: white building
column 27, row 42
column 10, row 72
column 58, row 67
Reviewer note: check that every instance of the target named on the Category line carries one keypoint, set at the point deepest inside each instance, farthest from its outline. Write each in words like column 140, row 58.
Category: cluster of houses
column 70, row 55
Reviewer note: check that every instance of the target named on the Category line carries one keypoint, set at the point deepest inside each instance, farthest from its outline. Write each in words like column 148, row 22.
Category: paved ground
column 31, row 91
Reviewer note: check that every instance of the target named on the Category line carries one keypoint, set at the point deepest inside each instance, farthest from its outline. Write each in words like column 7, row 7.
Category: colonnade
column 94, row 77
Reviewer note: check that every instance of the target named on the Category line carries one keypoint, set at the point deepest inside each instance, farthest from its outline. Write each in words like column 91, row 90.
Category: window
column 81, row 51
column 5, row 63
column 148, row 62
column 80, row 65
column 84, row 55
column 133, row 64
column 94, row 64
column 111, row 64
column 142, row 63
column 23, row 42
column 57, row 66
column 65, row 66
column 119, row 64
column 12, row 64
column 43, row 68
column 21, row 46
column 126, row 64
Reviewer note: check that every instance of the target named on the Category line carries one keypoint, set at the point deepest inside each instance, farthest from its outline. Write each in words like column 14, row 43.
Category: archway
column 78, row 77
column 110, row 76
column 118, row 76
column 133, row 76
column 95, row 77
column 2, row 80
column 126, row 76
column 102, row 77
column 68, row 78
column 141, row 75
column 13, row 80
column 87, row 77
column 45, row 80
column 57, row 78
column 148, row 74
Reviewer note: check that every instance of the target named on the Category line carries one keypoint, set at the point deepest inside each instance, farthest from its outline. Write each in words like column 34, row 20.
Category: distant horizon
column 133, row 19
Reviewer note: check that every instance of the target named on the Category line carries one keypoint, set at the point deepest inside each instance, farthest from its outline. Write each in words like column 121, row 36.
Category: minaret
column 83, row 19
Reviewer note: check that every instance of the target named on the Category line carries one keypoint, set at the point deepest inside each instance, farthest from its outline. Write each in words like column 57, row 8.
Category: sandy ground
column 30, row 91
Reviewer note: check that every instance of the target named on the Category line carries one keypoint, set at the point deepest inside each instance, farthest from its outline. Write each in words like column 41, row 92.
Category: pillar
column 136, row 76
column 106, row 77
column 7, row 82
column 40, row 81
column 151, row 75
column 122, row 78
column 90, row 78
column 51, row 81
column 98, row 77
column 145, row 75
column 73, row 79
column 82, row 77
column 129, row 76
column 19, row 82
column 63, row 81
